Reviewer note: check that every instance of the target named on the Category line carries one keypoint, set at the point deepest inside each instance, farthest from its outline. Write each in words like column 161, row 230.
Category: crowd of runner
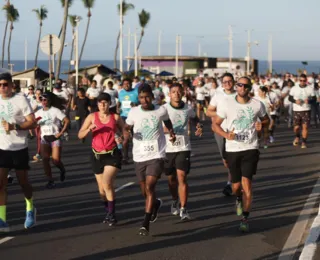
column 157, row 117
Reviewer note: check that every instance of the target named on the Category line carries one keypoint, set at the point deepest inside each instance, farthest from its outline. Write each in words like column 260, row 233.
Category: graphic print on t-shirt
column 179, row 122
column 7, row 112
column 243, row 123
column 149, row 128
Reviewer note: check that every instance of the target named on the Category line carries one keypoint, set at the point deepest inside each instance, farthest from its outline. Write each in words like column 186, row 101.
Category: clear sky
column 293, row 24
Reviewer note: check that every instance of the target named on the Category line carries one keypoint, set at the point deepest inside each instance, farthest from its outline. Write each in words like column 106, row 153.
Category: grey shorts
column 221, row 142
column 153, row 167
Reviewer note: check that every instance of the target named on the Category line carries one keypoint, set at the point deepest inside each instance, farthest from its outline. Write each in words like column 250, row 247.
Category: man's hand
column 7, row 127
column 199, row 130
column 306, row 101
column 231, row 135
column 298, row 102
column 172, row 138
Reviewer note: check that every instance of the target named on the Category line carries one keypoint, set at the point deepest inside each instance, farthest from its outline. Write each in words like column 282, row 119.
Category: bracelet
column 17, row 127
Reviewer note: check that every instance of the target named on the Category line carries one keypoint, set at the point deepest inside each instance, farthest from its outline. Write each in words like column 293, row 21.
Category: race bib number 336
column 147, row 147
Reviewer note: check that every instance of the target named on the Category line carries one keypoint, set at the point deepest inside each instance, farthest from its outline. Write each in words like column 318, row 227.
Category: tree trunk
column 4, row 43
column 9, row 43
column 85, row 39
column 72, row 47
column 115, row 63
column 140, row 40
column 38, row 46
column 63, row 37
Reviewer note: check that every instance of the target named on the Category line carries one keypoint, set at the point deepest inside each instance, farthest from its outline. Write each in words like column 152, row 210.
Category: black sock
column 298, row 135
column 111, row 206
column 271, row 132
column 105, row 204
column 304, row 140
column 146, row 220
column 245, row 214
column 239, row 198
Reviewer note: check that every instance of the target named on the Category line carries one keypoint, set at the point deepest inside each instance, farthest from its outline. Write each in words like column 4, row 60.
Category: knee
column 149, row 190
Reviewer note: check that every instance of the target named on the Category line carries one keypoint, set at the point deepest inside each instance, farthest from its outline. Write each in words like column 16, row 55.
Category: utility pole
column 270, row 53
column 121, row 37
column 180, row 45
column 129, row 43
column 159, row 43
column 249, row 43
column 26, row 54
column 177, row 55
column 199, row 48
column 135, row 54
column 230, row 47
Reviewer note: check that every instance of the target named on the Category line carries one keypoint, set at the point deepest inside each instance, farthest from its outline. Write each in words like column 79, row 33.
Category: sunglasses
column 4, row 84
column 243, row 85
column 302, row 80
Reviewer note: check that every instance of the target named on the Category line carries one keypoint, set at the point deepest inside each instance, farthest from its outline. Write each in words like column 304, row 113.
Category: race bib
column 47, row 130
column 244, row 136
column 147, row 147
column 179, row 143
column 126, row 104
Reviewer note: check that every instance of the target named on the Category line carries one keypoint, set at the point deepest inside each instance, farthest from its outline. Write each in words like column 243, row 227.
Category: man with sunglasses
column 16, row 119
column 302, row 96
column 228, row 92
column 242, row 127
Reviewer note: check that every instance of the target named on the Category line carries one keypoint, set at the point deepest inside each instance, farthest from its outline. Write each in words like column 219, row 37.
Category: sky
column 292, row 24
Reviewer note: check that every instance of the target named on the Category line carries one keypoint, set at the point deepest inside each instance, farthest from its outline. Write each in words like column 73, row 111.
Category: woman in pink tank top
column 105, row 156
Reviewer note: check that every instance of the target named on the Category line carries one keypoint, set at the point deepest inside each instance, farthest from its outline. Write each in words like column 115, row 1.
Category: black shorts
column 200, row 102
column 103, row 160
column 243, row 164
column 177, row 161
column 18, row 160
column 149, row 168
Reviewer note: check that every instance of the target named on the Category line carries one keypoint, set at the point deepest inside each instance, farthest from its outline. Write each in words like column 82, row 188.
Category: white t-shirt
column 14, row 110
column 166, row 92
column 255, row 89
column 157, row 93
column 221, row 97
column 98, row 78
column 208, row 87
column 148, row 139
column 267, row 103
column 61, row 94
column 302, row 93
column 50, row 120
column 200, row 92
column 274, row 100
column 179, row 119
column 113, row 94
column 241, row 118
column 286, row 91
column 93, row 92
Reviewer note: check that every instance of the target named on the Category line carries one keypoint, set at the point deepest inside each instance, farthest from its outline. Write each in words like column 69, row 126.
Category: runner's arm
column 86, row 127
column 66, row 122
column 265, row 121
column 122, row 126
column 30, row 123
column 211, row 111
column 291, row 99
column 216, row 127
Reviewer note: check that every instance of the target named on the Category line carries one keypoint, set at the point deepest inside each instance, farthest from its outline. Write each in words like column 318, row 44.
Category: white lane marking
column 3, row 240
column 124, row 186
column 299, row 228
column 310, row 246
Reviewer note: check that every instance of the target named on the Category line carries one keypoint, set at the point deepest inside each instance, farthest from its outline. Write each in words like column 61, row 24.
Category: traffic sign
column 50, row 44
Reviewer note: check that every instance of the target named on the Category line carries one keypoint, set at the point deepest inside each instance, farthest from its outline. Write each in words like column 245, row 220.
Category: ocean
column 279, row 67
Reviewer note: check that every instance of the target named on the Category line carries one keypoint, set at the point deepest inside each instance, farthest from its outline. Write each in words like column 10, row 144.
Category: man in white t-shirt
column 228, row 92
column 149, row 149
column 98, row 78
column 177, row 165
column 17, row 118
column 302, row 96
column 242, row 145
column 288, row 106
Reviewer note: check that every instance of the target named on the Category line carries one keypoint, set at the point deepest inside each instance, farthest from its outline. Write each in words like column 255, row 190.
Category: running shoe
column 62, row 174
column 4, row 227
column 10, row 179
column 106, row 219
column 239, row 208
column 157, row 206
column 50, row 185
column 143, row 231
column 175, row 207
column 295, row 142
column 227, row 190
column 31, row 218
column 244, row 226
column 184, row 215
column 37, row 157
column 303, row 145
column 271, row 139
column 112, row 219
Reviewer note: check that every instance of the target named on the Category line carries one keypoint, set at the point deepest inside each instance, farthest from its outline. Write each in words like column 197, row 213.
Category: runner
column 105, row 157
column 114, row 95
column 242, row 147
column 228, row 92
column 148, row 151
column 50, row 118
column 92, row 93
column 177, row 165
column 16, row 119
column 302, row 96
column 128, row 98
column 38, row 95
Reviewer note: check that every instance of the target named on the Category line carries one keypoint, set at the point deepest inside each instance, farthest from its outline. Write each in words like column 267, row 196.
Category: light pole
column 77, row 52
column 177, row 55
column 249, row 51
column 199, row 46
column 270, row 53
column 159, row 43
column 129, row 43
column 121, row 36
column 230, row 47
column 135, row 54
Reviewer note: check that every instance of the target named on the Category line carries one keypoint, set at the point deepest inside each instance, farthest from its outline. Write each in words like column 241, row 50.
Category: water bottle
column 118, row 144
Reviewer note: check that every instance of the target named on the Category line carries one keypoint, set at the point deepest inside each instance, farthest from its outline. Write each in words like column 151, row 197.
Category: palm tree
column 126, row 7
column 66, row 5
column 42, row 14
column 73, row 22
column 5, row 35
column 144, row 19
column 89, row 5
column 70, row 2
column 12, row 16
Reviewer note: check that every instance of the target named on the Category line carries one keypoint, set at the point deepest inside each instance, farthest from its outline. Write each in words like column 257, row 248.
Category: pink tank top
column 103, row 139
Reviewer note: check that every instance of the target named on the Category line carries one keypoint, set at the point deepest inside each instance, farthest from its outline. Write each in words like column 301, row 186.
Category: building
column 29, row 77
column 92, row 70
column 191, row 65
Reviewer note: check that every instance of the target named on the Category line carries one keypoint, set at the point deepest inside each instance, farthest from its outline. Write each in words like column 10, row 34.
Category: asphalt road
column 70, row 216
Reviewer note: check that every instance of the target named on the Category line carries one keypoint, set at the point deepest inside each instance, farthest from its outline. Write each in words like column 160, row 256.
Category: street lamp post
column 121, row 37
column 77, row 52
